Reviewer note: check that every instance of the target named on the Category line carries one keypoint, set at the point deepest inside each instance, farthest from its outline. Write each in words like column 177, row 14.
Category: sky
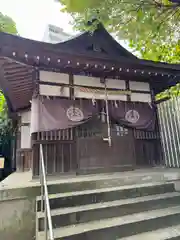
column 32, row 16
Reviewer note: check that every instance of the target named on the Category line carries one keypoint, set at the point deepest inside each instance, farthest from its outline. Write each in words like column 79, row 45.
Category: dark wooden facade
column 23, row 160
column 81, row 149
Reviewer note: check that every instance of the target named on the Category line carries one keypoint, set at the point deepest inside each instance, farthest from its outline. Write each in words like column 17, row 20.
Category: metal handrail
column 44, row 196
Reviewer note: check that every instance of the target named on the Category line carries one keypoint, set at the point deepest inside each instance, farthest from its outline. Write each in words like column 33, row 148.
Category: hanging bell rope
column 107, row 115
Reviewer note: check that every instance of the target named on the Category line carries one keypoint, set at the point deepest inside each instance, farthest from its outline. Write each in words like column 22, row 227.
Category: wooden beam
column 16, row 77
column 90, row 87
column 19, row 72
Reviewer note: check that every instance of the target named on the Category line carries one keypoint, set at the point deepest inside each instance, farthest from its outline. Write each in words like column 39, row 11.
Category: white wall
column 90, row 95
column 46, row 90
column 54, row 77
column 25, row 117
column 25, row 137
column 116, row 83
column 142, row 86
column 141, row 97
column 95, row 82
column 25, row 130
column 85, row 81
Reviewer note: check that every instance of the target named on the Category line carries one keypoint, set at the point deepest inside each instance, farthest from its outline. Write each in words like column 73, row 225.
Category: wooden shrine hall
column 88, row 101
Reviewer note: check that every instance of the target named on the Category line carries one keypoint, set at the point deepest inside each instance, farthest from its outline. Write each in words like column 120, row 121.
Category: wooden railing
column 56, row 135
column 59, row 157
column 146, row 135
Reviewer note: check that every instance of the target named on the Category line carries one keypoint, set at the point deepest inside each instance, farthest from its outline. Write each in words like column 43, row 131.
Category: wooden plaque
column 1, row 163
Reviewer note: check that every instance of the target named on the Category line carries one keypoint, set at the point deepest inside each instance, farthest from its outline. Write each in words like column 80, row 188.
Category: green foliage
column 9, row 26
column 169, row 93
column 5, row 121
column 150, row 26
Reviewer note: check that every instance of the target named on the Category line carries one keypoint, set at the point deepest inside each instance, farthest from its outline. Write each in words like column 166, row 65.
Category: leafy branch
column 151, row 27
column 6, row 127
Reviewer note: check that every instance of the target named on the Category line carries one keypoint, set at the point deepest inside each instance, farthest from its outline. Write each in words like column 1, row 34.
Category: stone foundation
column 18, row 195
column 17, row 219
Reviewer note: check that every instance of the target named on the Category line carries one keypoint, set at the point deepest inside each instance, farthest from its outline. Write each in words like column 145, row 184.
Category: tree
column 5, row 121
column 6, row 126
column 7, row 24
column 150, row 26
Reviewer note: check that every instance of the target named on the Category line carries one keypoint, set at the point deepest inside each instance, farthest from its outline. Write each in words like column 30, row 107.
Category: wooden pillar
column 157, row 142
column 71, row 84
column 128, row 89
column 74, row 144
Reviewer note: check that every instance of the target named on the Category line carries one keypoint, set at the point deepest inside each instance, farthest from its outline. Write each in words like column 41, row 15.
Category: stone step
column 90, row 182
column 80, row 198
column 81, row 214
column 168, row 233
column 119, row 227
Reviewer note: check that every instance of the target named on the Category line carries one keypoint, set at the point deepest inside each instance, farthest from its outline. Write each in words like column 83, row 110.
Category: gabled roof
column 95, row 53
column 97, row 44
column 100, row 45
column 98, row 48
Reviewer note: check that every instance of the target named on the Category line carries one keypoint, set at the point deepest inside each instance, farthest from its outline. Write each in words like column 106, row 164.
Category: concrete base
column 18, row 193
column 25, row 179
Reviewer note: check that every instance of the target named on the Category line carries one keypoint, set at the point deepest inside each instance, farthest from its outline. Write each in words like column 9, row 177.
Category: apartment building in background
column 54, row 34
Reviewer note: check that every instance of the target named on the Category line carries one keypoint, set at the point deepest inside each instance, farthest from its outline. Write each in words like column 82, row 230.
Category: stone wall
column 17, row 213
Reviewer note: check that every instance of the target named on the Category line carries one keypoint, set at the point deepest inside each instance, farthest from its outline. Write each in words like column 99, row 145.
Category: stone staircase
column 104, row 209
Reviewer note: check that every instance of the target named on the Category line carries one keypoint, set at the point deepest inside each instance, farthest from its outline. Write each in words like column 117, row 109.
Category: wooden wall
column 23, row 145
column 87, row 152
column 57, row 84
column 24, row 160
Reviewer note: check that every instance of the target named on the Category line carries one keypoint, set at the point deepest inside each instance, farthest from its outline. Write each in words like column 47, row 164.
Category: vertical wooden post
column 73, row 130
column 71, row 86
column 128, row 89
column 157, row 129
